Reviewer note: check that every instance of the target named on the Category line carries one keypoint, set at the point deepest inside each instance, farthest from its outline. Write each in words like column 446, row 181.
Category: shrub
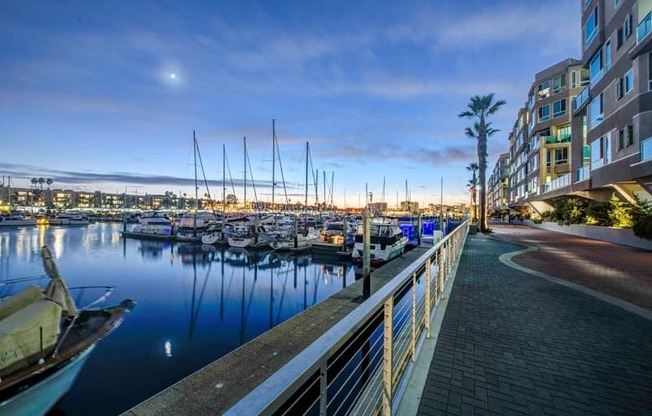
column 569, row 211
column 620, row 213
column 597, row 213
column 642, row 213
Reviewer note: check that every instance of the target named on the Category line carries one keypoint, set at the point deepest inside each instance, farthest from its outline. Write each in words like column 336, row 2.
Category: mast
column 223, row 184
column 244, row 141
column 273, row 160
column 383, row 189
column 194, row 217
column 307, row 153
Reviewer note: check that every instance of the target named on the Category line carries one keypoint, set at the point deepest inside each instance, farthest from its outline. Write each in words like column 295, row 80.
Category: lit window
column 559, row 84
column 543, row 90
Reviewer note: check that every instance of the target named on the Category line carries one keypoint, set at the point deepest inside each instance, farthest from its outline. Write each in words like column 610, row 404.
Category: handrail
column 368, row 354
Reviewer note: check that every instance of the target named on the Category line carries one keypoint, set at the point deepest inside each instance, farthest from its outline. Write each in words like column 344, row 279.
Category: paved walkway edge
column 418, row 373
column 506, row 259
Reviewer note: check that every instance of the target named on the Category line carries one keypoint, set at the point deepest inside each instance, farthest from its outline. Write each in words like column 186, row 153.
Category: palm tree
column 49, row 182
column 479, row 109
column 473, row 185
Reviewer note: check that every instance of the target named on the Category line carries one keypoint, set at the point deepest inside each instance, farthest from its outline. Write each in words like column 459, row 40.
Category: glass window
column 591, row 27
column 559, row 84
column 585, row 77
column 619, row 88
column 574, row 79
column 596, row 114
column 617, row 3
column 559, row 108
column 628, row 26
column 630, row 135
column 561, row 156
column 649, row 71
column 619, row 38
column 597, row 154
column 629, row 81
column 544, row 113
column 596, row 68
column 607, row 55
column 543, row 90
column 621, row 139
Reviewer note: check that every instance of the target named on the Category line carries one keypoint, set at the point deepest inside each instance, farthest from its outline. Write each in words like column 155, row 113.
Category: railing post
column 441, row 271
column 388, row 340
column 427, row 305
column 414, row 313
column 323, row 389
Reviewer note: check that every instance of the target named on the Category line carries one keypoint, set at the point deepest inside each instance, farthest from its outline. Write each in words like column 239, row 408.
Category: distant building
column 498, row 187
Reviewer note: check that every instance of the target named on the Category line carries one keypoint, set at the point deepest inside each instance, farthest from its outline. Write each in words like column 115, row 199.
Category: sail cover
column 57, row 289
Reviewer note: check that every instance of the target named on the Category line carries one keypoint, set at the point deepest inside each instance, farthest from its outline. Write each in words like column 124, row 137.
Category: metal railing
column 361, row 365
column 581, row 98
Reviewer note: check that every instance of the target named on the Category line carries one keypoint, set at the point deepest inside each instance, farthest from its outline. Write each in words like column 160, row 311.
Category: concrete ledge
column 614, row 235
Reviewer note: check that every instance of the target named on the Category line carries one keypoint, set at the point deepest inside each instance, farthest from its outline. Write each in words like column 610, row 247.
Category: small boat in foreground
column 45, row 339
column 386, row 242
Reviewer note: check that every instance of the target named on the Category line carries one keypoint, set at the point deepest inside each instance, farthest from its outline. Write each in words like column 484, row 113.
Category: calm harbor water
column 194, row 303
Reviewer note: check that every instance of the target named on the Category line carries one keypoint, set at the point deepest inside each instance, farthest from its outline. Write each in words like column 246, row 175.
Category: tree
column 479, row 109
column 473, row 168
column 49, row 182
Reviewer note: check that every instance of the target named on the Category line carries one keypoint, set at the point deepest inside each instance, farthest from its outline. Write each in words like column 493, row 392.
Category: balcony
column 582, row 174
column 566, row 138
column 562, row 167
column 560, row 182
column 644, row 27
column 580, row 101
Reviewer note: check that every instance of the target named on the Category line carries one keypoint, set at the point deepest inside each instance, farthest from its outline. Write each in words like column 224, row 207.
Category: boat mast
column 273, row 161
column 194, row 218
column 307, row 153
column 244, row 140
column 223, row 183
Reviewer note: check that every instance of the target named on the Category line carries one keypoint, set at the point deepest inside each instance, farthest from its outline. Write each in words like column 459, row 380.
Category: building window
column 596, row 109
column 617, row 3
column 574, row 79
column 585, row 77
column 629, row 81
column 544, row 113
column 591, row 27
column 607, row 55
column 564, row 133
column 621, row 139
column 630, row 135
column 619, row 38
column 559, row 108
column 619, row 88
column 628, row 26
column 596, row 68
column 649, row 71
column 543, row 90
column 559, row 84
column 561, row 156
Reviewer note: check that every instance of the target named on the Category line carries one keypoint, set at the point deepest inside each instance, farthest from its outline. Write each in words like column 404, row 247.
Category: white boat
column 154, row 225
column 46, row 340
column 295, row 241
column 386, row 242
column 192, row 226
column 250, row 236
column 15, row 220
column 70, row 218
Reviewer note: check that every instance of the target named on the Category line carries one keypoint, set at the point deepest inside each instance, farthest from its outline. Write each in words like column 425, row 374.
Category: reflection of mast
column 195, row 313
column 222, row 290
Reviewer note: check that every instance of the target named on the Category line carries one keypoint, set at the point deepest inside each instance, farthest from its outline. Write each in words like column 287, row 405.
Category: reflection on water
column 194, row 303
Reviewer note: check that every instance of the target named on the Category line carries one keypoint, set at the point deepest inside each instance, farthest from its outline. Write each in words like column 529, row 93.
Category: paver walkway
column 513, row 343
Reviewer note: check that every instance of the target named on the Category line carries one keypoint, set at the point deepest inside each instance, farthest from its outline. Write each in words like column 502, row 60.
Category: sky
column 106, row 95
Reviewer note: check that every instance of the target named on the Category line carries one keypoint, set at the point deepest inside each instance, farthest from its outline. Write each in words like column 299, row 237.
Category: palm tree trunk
column 482, row 165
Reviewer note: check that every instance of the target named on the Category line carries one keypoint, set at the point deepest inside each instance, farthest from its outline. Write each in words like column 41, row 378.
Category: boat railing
column 363, row 363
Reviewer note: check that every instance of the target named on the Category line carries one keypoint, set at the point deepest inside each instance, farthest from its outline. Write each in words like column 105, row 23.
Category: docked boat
column 70, row 218
column 16, row 220
column 251, row 237
column 155, row 226
column 191, row 227
column 46, row 340
column 386, row 242
column 336, row 237
column 295, row 241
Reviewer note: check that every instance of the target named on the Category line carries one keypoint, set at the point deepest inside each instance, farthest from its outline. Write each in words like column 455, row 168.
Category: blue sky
column 88, row 96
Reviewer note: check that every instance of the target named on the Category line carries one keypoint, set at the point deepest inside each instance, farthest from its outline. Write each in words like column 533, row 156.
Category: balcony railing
column 644, row 28
column 646, row 149
column 557, row 139
column 560, row 182
column 582, row 174
column 582, row 98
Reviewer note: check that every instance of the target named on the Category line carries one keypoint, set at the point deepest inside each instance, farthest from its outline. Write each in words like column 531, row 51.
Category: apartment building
column 498, row 187
column 602, row 143
column 615, row 109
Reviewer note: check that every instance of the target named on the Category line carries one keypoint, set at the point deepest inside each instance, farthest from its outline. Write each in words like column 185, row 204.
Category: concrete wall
column 611, row 234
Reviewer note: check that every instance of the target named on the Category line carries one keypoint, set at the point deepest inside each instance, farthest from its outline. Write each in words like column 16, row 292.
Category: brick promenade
column 512, row 343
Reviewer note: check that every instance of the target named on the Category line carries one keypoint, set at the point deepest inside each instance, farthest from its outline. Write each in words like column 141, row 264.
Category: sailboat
column 192, row 225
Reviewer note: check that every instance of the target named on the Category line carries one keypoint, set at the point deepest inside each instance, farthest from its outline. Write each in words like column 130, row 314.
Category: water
column 194, row 303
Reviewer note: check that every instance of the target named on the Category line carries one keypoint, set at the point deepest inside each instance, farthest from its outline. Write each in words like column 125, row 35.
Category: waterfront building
column 601, row 144
column 498, row 187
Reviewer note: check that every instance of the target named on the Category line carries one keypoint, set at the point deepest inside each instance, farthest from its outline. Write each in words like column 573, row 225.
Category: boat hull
column 42, row 396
